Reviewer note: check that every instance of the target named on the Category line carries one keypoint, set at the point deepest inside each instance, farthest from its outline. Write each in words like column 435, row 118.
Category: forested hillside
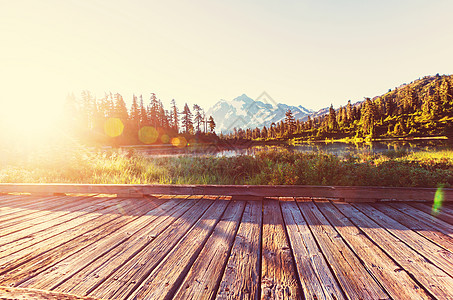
column 421, row 108
column 108, row 121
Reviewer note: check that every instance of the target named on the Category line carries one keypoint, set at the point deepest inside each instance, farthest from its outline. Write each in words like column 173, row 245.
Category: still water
column 336, row 148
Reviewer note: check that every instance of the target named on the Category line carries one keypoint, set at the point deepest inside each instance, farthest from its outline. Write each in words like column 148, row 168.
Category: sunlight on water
column 438, row 200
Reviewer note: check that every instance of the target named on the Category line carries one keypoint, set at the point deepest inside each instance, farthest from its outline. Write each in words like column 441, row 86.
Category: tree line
column 89, row 118
column 422, row 108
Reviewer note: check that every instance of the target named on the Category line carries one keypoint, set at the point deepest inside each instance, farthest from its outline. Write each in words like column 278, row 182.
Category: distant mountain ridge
column 244, row 112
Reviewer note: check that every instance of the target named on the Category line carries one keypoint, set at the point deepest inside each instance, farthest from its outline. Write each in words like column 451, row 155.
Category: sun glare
column 29, row 125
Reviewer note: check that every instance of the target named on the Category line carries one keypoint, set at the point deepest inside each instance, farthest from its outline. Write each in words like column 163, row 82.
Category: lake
column 336, row 148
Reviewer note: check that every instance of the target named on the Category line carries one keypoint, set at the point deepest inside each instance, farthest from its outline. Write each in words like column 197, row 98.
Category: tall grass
column 82, row 165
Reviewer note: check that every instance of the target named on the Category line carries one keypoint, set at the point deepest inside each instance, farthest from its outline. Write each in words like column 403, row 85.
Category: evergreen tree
column 198, row 116
column 290, row 123
column 332, row 119
column 174, row 114
column 211, row 124
column 187, row 120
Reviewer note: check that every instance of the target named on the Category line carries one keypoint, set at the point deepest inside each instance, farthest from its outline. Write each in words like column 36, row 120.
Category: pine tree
column 211, row 124
column 198, row 116
column 174, row 114
column 332, row 119
column 187, row 120
column 290, row 123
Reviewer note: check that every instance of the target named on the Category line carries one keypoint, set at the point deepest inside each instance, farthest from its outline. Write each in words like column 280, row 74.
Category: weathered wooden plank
column 424, row 217
column 442, row 258
column 278, row 273
column 425, row 225
column 443, row 213
column 164, row 280
column 241, row 279
column 355, row 280
column 33, row 203
column 21, row 267
column 204, row 276
column 344, row 192
column 397, row 282
column 126, row 279
column 112, row 250
column 33, row 235
column 434, row 280
column 11, row 293
column 22, row 214
column 41, row 220
column 316, row 279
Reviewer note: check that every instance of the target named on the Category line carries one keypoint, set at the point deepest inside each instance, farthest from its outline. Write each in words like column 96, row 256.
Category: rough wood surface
column 10, row 293
column 316, row 279
column 241, row 279
column 278, row 273
column 215, row 247
column 123, row 282
column 164, row 281
column 442, row 258
column 343, row 192
column 444, row 213
column 397, row 283
column 355, row 280
column 434, row 280
column 425, row 225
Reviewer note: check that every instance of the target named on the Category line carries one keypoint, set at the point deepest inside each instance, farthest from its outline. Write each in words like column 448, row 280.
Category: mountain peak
column 244, row 112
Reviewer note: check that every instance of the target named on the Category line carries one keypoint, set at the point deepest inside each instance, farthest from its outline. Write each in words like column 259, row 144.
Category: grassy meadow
column 86, row 165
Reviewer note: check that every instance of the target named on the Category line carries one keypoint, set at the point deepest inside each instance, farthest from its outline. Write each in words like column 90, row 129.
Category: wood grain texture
column 316, row 279
column 355, row 280
column 442, row 258
column 10, row 293
column 343, row 192
column 433, row 279
column 397, row 283
column 278, row 273
column 241, row 278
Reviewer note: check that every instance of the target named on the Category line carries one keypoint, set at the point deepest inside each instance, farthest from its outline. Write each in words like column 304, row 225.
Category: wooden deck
column 206, row 247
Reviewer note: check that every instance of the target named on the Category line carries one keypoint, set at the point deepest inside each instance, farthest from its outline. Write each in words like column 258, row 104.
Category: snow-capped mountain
column 244, row 112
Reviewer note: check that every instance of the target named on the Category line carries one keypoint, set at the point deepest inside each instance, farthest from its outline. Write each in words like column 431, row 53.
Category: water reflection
column 336, row 148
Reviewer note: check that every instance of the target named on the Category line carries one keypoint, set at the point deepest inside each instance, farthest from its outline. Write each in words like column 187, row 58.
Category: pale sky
column 310, row 53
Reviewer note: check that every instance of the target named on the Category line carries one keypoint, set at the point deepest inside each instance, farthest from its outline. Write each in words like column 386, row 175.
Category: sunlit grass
column 83, row 165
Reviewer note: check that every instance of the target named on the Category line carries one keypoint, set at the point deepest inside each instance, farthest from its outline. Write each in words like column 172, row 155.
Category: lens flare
column 438, row 200
column 165, row 138
column 148, row 134
column 113, row 127
column 179, row 142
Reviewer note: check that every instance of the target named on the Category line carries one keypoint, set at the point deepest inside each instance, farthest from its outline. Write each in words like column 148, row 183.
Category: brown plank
column 316, row 279
column 345, row 192
column 33, row 235
column 443, row 213
column 422, row 223
column 398, row 284
column 124, row 280
column 24, row 215
column 434, row 280
column 43, row 219
column 278, row 273
column 164, row 281
column 23, row 267
column 14, row 208
column 424, row 217
column 355, row 280
column 11, row 293
column 204, row 276
column 442, row 258
column 88, row 278
column 241, row 278
column 141, row 228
